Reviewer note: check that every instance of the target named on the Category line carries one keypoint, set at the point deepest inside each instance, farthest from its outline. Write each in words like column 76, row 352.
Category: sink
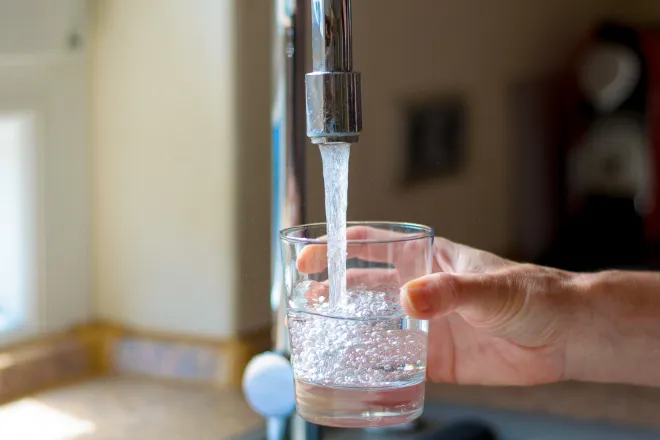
column 507, row 425
column 511, row 425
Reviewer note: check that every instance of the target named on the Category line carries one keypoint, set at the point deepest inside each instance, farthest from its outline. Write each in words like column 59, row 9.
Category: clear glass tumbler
column 358, row 360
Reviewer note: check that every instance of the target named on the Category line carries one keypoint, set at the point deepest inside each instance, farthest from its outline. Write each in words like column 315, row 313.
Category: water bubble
column 336, row 352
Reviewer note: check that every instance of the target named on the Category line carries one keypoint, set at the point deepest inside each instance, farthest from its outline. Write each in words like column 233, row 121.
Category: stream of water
column 358, row 360
column 335, row 175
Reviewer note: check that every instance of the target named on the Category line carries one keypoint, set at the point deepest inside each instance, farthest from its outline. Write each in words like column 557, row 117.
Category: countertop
column 123, row 408
column 132, row 408
column 628, row 405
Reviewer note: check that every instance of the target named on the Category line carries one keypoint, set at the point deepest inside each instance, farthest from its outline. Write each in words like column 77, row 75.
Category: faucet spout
column 334, row 115
column 333, row 89
column 332, row 40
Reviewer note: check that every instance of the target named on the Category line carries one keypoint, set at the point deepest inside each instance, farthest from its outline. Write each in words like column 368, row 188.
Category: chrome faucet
column 334, row 98
column 333, row 112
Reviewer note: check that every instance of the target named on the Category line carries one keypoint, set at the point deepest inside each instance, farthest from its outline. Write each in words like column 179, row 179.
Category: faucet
column 330, row 101
column 334, row 98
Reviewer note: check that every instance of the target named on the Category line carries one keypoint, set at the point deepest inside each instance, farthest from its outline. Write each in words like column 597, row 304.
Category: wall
column 253, row 92
column 164, row 165
column 419, row 48
column 31, row 27
column 644, row 11
column 182, row 140
column 413, row 49
column 41, row 74
column 651, row 9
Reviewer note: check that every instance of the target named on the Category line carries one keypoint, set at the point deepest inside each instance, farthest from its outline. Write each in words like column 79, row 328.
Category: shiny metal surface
column 334, row 114
column 332, row 40
column 303, row 430
column 288, row 145
column 333, row 90
column 288, row 185
column 334, row 107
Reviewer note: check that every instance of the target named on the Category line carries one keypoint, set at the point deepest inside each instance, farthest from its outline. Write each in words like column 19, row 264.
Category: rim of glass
column 418, row 232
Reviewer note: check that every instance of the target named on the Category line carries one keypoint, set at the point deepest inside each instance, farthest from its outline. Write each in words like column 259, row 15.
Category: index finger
column 314, row 257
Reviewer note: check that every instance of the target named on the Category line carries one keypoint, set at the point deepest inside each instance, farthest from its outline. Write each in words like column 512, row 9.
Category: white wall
column 32, row 27
column 41, row 75
column 164, row 165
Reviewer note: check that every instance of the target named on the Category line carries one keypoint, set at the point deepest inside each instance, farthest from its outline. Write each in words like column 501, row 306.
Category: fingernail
column 417, row 296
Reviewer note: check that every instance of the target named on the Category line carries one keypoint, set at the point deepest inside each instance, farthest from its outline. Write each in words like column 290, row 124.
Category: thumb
column 487, row 299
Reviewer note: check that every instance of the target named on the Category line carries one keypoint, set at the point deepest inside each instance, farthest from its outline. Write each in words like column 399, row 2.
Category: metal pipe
column 288, row 146
column 288, row 164
column 332, row 39
column 334, row 114
column 333, row 90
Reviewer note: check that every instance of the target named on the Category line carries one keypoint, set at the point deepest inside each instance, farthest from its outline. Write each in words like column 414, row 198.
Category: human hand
column 497, row 322
column 492, row 321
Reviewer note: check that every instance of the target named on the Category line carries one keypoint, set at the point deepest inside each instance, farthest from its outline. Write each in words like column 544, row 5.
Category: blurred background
column 135, row 189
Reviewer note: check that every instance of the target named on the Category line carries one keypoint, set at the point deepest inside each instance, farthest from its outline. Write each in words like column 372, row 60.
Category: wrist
column 615, row 336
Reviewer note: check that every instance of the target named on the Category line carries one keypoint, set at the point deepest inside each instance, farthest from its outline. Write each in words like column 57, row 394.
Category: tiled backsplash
column 98, row 349
column 171, row 360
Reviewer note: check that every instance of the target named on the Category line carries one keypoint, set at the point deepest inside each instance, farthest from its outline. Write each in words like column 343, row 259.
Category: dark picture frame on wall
column 435, row 138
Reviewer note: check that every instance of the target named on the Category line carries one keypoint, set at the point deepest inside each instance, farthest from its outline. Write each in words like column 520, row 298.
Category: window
column 17, row 217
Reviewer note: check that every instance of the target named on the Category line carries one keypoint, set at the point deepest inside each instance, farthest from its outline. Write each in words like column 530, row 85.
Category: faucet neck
column 333, row 90
column 332, row 38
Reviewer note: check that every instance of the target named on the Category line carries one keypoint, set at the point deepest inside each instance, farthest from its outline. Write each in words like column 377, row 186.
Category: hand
column 498, row 322
column 492, row 321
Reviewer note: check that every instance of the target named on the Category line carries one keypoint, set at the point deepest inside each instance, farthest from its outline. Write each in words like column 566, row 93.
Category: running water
column 335, row 175
column 359, row 364
column 358, row 360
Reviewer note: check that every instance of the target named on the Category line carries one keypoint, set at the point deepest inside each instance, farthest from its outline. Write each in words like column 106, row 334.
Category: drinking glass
column 358, row 359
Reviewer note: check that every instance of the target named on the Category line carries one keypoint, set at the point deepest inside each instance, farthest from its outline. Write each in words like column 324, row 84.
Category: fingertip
column 357, row 232
column 301, row 263
column 305, row 260
column 428, row 296
column 317, row 290
column 403, row 298
column 415, row 301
